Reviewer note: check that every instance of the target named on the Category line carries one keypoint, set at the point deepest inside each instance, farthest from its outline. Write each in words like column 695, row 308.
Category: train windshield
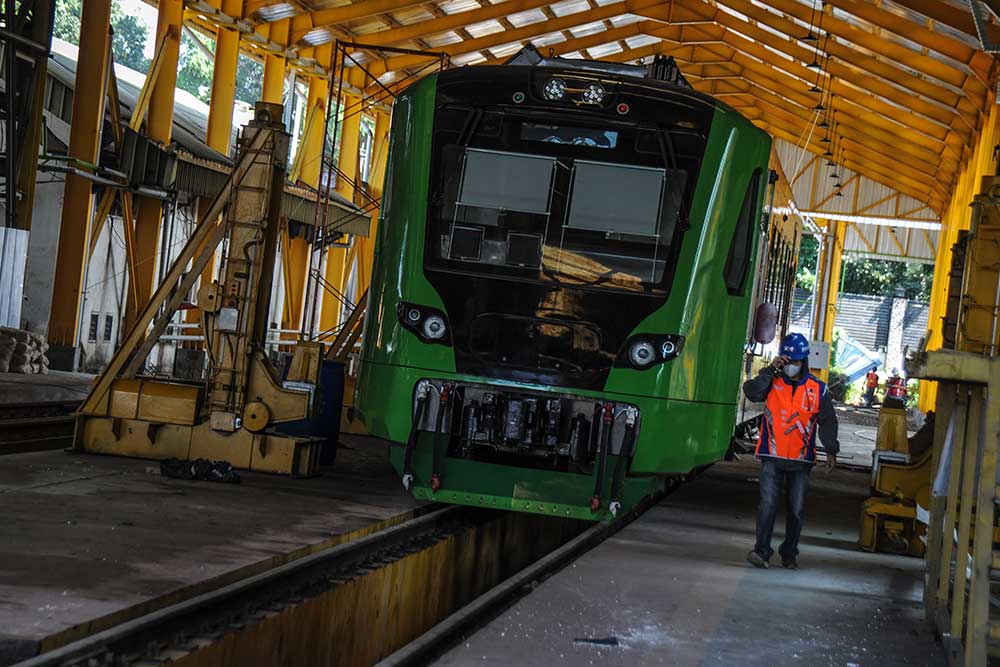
column 580, row 205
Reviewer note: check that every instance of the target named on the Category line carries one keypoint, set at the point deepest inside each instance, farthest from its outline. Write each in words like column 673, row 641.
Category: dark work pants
column 869, row 396
column 792, row 478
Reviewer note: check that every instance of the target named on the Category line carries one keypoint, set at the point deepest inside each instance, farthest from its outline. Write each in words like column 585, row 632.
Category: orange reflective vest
column 872, row 380
column 896, row 388
column 790, row 415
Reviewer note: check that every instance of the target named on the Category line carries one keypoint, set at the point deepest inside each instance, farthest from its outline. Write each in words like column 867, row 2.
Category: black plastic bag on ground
column 200, row 469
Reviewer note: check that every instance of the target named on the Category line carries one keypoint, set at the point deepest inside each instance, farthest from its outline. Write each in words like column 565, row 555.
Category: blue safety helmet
column 795, row 347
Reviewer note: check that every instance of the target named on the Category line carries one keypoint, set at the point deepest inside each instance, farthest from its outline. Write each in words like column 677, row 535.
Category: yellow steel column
column 159, row 125
column 273, row 87
column 312, row 137
column 833, row 282
column 295, row 255
column 337, row 268
column 220, row 111
column 78, row 200
column 376, row 176
column 828, row 271
column 227, row 53
column 956, row 217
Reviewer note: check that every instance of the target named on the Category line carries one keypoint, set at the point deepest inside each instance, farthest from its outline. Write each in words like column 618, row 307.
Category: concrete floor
column 88, row 540
column 673, row 589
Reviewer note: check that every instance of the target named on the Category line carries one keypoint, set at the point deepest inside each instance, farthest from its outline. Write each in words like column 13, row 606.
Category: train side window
column 741, row 248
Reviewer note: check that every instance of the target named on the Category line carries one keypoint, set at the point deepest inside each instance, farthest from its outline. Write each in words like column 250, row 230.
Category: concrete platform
column 54, row 386
column 673, row 589
column 87, row 541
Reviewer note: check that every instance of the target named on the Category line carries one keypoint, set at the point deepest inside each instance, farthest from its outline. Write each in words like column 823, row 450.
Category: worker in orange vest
column 895, row 390
column 871, row 384
column 797, row 405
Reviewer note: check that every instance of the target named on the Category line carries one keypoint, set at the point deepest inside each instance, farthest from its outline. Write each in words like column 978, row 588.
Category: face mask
column 791, row 370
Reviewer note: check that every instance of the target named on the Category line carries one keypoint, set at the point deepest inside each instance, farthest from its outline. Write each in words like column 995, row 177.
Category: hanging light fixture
column 811, row 36
column 838, row 159
column 825, row 121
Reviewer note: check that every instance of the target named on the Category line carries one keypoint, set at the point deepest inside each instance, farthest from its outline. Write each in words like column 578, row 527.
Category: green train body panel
column 687, row 405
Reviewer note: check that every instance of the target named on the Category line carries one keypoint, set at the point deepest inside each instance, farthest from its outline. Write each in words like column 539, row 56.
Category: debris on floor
column 200, row 469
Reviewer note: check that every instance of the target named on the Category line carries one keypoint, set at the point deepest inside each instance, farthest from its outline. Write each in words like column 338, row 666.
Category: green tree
column 873, row 277
column 129, row 40
column 805, row 277
column 880, row 277
column 194, row 68
column 130, row 33
column 249, row 79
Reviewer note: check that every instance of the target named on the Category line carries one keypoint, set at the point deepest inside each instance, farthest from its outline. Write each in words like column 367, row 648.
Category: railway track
column 353, row 604
column 31, row 427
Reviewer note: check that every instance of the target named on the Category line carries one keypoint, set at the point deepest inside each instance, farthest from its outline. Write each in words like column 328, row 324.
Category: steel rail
column 229, row 605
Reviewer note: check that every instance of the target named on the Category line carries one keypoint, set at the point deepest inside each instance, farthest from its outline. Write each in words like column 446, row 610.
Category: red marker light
column 623, row 108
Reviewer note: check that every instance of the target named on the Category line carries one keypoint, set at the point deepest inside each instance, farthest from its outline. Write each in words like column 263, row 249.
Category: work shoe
column 789, row 563
column 757, row 560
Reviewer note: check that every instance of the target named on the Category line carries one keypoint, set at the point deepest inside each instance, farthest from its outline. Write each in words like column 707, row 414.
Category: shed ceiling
column 907, row 79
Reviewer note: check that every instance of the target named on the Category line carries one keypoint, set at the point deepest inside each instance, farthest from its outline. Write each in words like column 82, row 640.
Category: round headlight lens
column 434, row 327
column 668, row 348
column 413, row 315
column 554, row 89
column 642, row 353
column 593, row 94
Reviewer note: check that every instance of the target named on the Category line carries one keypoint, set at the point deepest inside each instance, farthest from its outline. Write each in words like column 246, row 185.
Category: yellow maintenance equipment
column 233, row 414
column 901, row 480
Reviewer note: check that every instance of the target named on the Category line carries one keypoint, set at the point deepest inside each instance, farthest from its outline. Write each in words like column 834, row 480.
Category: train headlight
column 554, row 89
column 642, row 353
column 593, row 94
column 434, row 327
column 430, row 325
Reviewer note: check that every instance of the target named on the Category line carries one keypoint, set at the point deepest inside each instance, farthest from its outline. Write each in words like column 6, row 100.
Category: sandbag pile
column 22, row 352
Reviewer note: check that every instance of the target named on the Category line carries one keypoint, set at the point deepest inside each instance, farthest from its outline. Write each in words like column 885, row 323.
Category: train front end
column 563, row 255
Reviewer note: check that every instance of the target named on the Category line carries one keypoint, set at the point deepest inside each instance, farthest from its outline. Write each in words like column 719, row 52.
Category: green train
column 562, row 286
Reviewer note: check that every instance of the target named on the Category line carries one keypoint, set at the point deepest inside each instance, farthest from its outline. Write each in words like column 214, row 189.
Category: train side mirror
column 765, row 323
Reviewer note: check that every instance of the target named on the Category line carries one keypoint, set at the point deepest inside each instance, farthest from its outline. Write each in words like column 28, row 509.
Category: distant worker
column 797, row 404
column 895, row 390
column 871, row 384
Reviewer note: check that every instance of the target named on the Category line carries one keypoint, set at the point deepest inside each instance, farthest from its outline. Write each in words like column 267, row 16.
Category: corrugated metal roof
column 814, row 190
